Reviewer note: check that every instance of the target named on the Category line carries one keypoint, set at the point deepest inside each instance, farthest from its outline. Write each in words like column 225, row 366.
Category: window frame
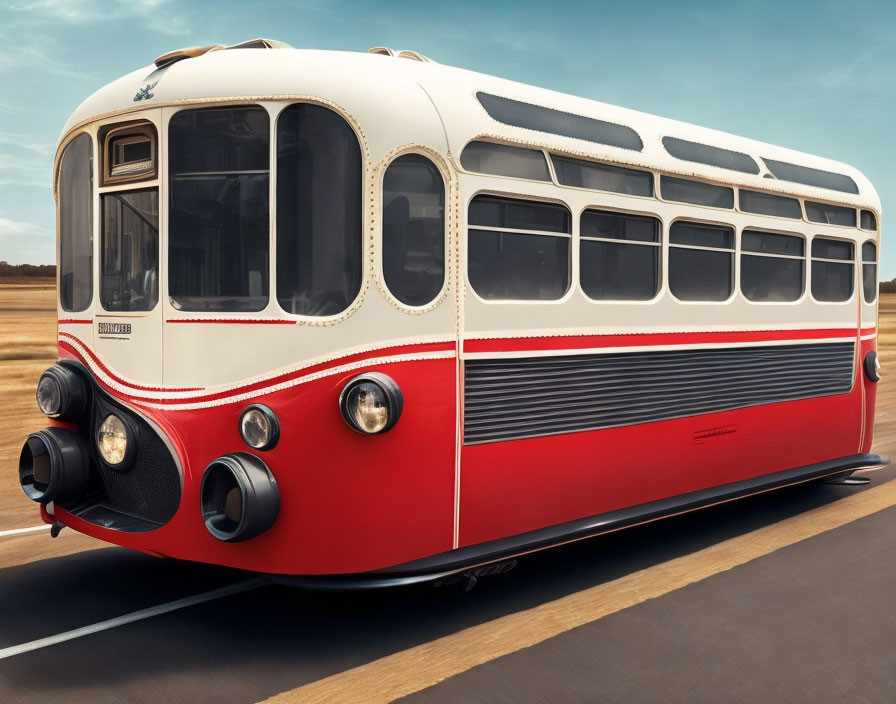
column 92, row 225
column 448, row 237
column 806, row 259
column 735, row 248
column 799, row 199
column 816, row 223
column 552, row 177
column 276, row 110
column 165, row 201
column 662, row 244
column 678, row 203
column 572, row 287
column 810, row 259
column 130, row 187
column 862, row 263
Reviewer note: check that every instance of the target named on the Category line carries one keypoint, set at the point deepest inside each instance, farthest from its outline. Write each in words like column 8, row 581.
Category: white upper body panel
column 368, row 84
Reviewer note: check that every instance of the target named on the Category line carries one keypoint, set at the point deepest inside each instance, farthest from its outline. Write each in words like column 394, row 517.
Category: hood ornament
column 144, row 92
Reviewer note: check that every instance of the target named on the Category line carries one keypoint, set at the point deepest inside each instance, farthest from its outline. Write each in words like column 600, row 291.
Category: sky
column 816, row 76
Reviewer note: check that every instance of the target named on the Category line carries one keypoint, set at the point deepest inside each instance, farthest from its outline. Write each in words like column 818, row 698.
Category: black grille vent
column 509, row 399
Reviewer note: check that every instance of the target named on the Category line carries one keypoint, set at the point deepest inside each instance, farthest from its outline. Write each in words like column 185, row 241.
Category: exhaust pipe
column 239, row 497
column 53, row 466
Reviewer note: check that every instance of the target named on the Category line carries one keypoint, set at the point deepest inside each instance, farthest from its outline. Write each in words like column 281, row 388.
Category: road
column 784, row 597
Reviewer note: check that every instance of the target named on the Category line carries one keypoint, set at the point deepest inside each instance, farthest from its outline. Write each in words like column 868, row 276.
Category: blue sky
column 814, row 76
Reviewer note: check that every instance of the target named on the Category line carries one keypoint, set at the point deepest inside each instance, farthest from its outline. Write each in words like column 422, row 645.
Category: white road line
column 130, row 618
column 19, row 531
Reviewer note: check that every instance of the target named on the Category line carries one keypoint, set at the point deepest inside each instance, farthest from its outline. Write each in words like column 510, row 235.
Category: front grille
column 150, row 487
column 509, row 399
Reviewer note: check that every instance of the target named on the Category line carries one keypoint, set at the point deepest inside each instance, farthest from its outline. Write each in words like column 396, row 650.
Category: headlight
column 61, row 393
column 371, row 403
column 259, row 427
column 112, row 440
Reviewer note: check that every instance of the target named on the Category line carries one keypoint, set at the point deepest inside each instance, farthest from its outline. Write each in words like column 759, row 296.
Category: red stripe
column 536, row 344
column 265, row 383
column 234, row 321
column 71, row 350
column 73, row 321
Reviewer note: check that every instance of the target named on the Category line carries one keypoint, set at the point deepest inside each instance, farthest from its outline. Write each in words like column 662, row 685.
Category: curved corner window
column 869, row 271
column 504, row 160
column 711, row 156
column 701, row 261
column 129, row 251
column 811, row 177
column 684, row 190
column 218, row 247
column 413, row 229
column 772, row 266
column 541, row 119
column 830, row 214
column 318, row 211
column 76, row 225
column 619, row 256
column 832, row 270
column 518, row 250
column 602, row 177
column 869, row 221
column 769, row 204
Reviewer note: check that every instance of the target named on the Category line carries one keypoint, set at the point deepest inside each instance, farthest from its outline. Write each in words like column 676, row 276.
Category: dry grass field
column 28, row 346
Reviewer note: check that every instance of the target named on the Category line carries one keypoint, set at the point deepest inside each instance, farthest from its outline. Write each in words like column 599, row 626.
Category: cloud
column 22, row 141
column 25, row 56
column 27, row 171
column 19, row 228
column 78, row 12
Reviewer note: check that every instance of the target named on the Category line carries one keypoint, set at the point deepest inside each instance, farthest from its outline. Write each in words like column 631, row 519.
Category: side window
column 869, row 271
column 619, row 256
column 696, row 192
column 76, row 225
column 769, row 204
column 869, row 221
column 129, row 251
column 701, row 261
column 318, row 211
column 518, row 250
column 832, row 269
column 413, row 229
column 772, row 266
column 219, row 209
column 830, row 214
column 602, row 177
column 503, row 160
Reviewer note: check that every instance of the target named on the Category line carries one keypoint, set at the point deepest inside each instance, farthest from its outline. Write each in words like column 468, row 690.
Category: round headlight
column 112, row 440
column 61, row 393
column 49, row 395
column 259, row 427
column 371, row 403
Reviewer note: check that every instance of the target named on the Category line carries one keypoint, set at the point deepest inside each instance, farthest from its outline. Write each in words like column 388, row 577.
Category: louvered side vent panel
column 509, row 399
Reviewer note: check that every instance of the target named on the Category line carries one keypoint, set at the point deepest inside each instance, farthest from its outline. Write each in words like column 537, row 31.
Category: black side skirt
column 454, row 561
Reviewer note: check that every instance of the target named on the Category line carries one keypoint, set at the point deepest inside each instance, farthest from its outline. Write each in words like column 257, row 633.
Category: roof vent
column 404, row 54
column 260, row 44
column 188, row 53
column 193, row 51
column 414, row 56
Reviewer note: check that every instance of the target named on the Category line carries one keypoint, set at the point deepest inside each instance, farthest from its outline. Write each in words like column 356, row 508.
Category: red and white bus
column 362, row 315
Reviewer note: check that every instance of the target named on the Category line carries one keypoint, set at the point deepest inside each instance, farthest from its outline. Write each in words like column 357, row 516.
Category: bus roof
column 349, row 79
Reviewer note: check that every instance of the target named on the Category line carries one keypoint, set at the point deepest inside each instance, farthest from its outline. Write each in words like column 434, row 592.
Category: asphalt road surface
column 809, row 621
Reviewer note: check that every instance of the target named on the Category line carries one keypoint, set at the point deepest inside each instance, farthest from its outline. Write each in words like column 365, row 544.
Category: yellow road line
column 425, row 665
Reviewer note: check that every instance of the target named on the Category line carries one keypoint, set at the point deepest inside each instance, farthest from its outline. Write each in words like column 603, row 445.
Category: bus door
column 128, row 335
